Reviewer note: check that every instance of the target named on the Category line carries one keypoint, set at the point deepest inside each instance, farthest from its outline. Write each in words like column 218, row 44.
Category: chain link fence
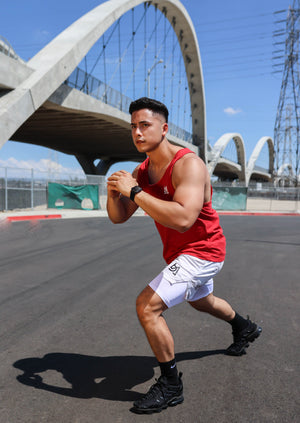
column 28, row 188
column 267, row 197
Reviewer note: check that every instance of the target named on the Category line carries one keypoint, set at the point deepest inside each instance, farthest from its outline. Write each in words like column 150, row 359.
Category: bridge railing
column 96, row 88
column 7, row 49
column 261, row 169
column 180, row 133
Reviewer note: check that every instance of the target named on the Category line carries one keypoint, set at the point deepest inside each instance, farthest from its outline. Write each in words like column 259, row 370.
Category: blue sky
column 236, row 45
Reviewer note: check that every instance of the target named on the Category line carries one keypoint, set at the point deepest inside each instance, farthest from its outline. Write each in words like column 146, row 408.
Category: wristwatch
column 134, row 190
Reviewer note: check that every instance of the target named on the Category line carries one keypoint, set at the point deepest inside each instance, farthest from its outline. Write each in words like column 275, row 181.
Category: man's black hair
column 151, row 104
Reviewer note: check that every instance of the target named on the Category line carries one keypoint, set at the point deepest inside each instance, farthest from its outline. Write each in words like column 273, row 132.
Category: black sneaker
column 241, row 339
column 160, row 396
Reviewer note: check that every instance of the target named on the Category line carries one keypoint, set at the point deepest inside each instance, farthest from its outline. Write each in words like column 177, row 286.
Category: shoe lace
column 158, row 388
column 155, row 389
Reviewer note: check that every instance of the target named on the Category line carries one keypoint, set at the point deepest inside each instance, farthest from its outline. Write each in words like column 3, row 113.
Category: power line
column 225, row 50
column 235, row 19
column 224, row 70
column 221, row 41
column 237, row 77
column 216, row 30
column 231, row 60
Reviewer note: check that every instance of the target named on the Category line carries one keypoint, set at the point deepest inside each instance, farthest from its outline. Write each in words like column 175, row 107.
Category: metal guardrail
column 6, row 48
column 92, row 86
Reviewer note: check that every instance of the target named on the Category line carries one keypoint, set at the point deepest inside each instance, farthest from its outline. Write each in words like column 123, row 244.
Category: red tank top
column 204, row 239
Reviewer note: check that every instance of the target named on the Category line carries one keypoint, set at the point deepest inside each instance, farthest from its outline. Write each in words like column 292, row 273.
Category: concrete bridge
column 40, row 103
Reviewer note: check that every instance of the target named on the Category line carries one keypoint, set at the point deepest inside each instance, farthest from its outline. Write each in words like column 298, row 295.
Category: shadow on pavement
column 110, row 378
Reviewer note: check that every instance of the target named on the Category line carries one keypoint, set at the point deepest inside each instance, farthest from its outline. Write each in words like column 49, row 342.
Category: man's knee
column 140, row 308
column 143, row 308
column 148, row 306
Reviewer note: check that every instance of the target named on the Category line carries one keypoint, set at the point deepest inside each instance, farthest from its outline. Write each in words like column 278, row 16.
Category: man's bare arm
column 189, row 176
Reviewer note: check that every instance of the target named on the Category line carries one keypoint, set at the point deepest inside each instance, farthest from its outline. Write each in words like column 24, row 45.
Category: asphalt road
column 72, row 350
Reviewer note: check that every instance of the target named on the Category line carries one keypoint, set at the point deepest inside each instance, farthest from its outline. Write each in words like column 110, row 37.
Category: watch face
column 137, row 189
column 134, row 190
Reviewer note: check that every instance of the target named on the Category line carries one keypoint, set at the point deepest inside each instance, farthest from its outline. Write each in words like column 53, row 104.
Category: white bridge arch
column 243, row 170
column 55, row 62
column 220, row 146
column 255, row 154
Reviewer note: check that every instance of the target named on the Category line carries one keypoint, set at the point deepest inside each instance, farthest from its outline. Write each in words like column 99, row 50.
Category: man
column 173, row 187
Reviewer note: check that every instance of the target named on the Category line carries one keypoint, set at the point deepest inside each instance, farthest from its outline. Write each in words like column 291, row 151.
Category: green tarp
column 84, row 197
column 231, row 198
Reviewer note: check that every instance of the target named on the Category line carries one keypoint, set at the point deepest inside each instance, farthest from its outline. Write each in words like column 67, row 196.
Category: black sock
column 169, row 370
column 238, row 323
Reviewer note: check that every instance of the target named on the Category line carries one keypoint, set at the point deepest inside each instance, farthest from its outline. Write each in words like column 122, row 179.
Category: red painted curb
column 257, row 214
column 33, row 217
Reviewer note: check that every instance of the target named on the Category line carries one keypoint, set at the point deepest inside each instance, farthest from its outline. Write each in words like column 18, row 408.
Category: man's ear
column 165, row 129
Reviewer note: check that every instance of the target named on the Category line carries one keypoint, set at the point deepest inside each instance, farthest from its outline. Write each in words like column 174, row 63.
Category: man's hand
column 120, row 182
column 112, row 192
column 119, row 206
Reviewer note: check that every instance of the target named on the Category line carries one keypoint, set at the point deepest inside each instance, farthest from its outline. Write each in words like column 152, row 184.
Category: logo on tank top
column 166, row 191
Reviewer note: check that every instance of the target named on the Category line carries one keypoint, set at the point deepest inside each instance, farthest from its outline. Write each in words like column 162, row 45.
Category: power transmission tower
column 287, row 124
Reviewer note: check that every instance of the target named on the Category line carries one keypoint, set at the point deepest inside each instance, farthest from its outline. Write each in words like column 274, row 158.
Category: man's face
column 148, row 129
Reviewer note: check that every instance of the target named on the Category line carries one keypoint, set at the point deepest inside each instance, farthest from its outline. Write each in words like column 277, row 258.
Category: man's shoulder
column 189, row 168
column 189, row 159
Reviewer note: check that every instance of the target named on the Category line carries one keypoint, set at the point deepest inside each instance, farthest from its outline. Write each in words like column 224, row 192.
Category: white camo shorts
column 187, row 278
